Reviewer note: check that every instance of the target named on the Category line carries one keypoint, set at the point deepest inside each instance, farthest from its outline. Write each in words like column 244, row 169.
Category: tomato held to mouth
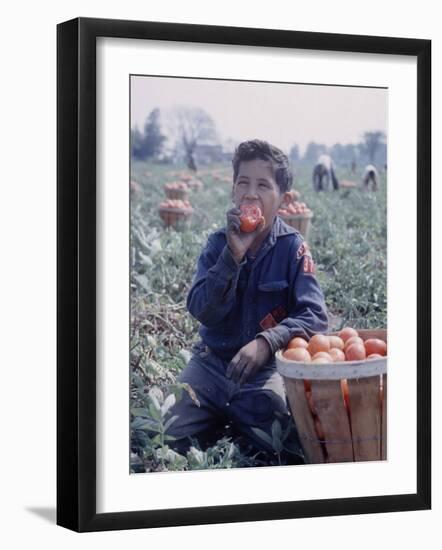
column 251, row 217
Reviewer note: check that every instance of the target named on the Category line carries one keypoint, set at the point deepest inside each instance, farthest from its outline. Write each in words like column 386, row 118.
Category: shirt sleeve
column 213, row 291
column 308, row 316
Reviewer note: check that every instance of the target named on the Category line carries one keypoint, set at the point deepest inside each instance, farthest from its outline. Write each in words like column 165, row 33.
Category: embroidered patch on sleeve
column 268, row 322
column 309, row 265
column 303, row 250
column 273, row 318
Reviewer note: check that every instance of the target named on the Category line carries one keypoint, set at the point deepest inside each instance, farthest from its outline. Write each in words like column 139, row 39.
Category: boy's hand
column 249, row 360
column 238, row 241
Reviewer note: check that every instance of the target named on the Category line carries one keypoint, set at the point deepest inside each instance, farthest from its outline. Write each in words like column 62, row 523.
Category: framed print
column 243, row 228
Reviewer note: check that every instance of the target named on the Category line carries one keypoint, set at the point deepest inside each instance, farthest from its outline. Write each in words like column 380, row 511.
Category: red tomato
column 322, row 360
column 347, row 332
column 324, row 355
column 353, row 340
column 375, row 345
column 318, row 342
column 297, row 342
column 337, row 354
column 336, row 342
column 297, row 354
column 251, row 217
column 355, row 352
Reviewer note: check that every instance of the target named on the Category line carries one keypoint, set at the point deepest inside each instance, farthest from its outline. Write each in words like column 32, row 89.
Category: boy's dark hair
column 259, row 149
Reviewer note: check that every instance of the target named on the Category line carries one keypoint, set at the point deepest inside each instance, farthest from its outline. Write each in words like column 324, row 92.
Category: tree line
column 372, row 149
column 189, row 135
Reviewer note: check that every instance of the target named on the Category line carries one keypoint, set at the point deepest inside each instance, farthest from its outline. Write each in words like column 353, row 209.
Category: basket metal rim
column 306, row 216
column 176, row 210
column 332, row 371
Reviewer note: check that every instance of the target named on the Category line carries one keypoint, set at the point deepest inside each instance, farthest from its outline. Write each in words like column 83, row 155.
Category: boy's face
column 255, row 184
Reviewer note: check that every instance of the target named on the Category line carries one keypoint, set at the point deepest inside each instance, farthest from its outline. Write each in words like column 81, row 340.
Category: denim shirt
column 274, row 295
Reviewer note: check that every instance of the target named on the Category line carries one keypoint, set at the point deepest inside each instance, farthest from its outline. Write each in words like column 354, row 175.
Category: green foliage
column 225, row 454
column 349, row 244
column 280, row 440
column 151, row 419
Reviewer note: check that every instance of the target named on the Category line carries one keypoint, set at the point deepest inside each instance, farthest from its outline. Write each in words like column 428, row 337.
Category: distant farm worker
column 323, row 172
column 254, row 290
column 370, row 176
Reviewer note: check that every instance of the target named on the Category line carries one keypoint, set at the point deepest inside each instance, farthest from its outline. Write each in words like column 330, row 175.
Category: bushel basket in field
column 342, row 417
column 300, row 222
column 175, row 217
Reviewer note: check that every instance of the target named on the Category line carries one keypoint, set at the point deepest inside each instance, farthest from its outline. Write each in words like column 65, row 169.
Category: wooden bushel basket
column 175, row 217
column 300, row 222
column 359, row 434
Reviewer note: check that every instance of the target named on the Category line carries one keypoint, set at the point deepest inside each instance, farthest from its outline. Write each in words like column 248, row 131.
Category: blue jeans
column 223, row 401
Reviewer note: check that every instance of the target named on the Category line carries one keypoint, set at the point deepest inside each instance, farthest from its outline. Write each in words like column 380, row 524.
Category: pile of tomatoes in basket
column 346, row 345
column 295, row 208
column 176, row 203
column 176, row 185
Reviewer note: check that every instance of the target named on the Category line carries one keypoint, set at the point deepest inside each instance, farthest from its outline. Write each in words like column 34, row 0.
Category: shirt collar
column 279, row 229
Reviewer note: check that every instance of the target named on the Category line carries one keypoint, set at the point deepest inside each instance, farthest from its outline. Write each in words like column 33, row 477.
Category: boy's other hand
column 249, row 360
column 238, row 241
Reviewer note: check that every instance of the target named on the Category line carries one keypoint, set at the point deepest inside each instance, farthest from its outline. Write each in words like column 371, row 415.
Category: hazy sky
column 283, row 114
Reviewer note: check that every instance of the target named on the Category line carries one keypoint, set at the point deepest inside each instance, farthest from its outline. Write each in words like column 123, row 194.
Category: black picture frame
column 77, row 286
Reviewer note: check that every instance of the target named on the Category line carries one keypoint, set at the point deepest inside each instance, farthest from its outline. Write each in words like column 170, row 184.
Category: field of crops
column 348, row 240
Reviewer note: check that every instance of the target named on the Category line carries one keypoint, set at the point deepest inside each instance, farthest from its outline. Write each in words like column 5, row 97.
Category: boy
column 252, row 293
